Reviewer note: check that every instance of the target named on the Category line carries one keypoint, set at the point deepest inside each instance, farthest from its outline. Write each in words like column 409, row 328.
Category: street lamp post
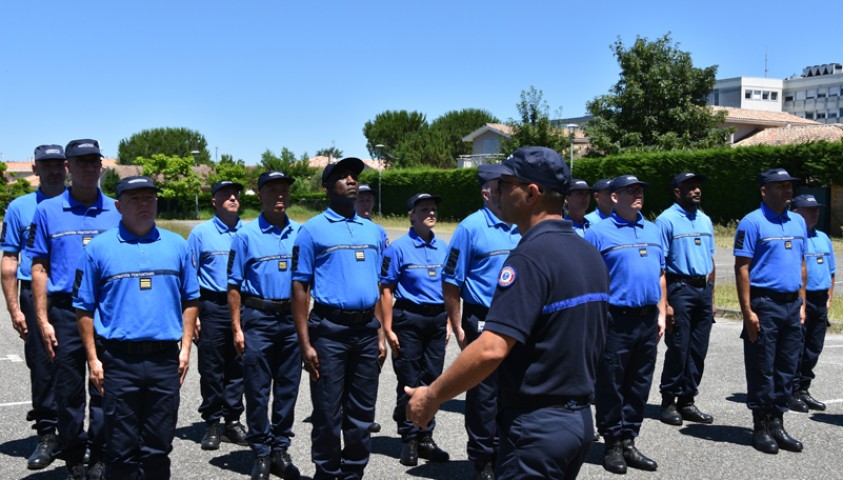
column 379, row 149
column 571, row 127
column 196, row 197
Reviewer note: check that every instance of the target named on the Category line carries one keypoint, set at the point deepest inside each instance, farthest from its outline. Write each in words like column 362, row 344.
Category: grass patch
column 728, row 306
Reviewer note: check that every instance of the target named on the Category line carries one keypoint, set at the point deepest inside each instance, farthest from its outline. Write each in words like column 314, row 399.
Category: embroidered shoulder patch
column 506, row 277
column 739, row 239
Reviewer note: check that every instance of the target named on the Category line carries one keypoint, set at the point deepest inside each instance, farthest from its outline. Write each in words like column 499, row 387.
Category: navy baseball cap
column 80, row 148
column 355, row 164
column 225, row 183
column 422, row 196
column 134, row 183
column 272, row 176
column 578, row 184
column 490, row 171
column 602, row 184
column 539, row 165
column 49, row 152
column 625, row 181
column 685, row 176
column 365, row 188
column 805, row 201
column 775, row 175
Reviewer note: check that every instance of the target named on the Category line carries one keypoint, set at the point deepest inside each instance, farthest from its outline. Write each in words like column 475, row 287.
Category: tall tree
column 331, row 151
column 229, row 169
column 391, row 128
column 173, row 142
column 659, row 103
column 533, row 128
column 10, row 191
column 287, row 163
column 451, row 127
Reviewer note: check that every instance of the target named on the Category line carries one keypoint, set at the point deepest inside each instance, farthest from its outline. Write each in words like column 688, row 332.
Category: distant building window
column 832, row 114
column 822, row 92
column 765, row 95
column 788, row 98
column 809, row 94
column 774, row 96
column 800, row 95
column 809, row 115
column 756, row 94
column 834, row 91
column 717, row 96
column 747, row 94
column 820, row 116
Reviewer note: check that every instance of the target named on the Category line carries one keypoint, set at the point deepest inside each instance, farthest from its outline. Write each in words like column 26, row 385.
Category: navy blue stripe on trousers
column 220, row 368
column 481, row 402
column 44, row 409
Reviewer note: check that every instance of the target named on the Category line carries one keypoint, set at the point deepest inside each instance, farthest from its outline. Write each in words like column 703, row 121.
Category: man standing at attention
column 603, row 198
column 576, row 201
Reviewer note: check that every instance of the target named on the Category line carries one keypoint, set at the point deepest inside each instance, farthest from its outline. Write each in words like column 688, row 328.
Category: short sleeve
column 665, row 233
column 188, row 279
column 832, row 265
column 37, row 245
column 87, row 274
column 236, row 260
column 745, row 237
column 518, row 300
column 303, row 256
column 458, row 257
column 391, row 266
column 194, row 244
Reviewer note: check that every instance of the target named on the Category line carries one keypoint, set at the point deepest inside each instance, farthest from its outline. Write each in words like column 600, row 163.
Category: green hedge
column 457, row 187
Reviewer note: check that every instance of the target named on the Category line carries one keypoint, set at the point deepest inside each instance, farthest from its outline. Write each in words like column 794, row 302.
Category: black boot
column 428, row 450
column 796, row 404
column 75, row 471
column 43, row 454
column 691, row 413
column 670, row 415
column 211, row 440
column 781, row 437
column 261, row 469
column 235, row 433
column 374, row 427
column 761, row 439
column 812, row 402
column 636, row 459
column 410, row 453
column 96, row 471
column 282, row 466
column 613, row 460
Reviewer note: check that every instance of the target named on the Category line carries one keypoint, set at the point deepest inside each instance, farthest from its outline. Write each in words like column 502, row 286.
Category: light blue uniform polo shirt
column 820, row 261
column 415, row 267
column 261, row 259
column 136, row 285
column 776, row 245
column 16, row 229
column 479, row 246
column 210, row 243
column 687, row 240
column 579, row 227
column 61, row 229
column 596, row 216
column 633, row 254
column 340, row 258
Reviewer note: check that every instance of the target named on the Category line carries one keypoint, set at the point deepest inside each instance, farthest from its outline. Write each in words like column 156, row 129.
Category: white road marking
column 11, row 358
column 12, row 404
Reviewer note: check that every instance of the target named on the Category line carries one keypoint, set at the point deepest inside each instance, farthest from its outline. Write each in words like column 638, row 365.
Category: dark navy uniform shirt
column 633, row 254
column 687, row 240
column 210, row 243
column 478, row 248
column 136, row 285
column 16, row 226
column 776, row 245
column 60, row 230
column 261, row 259
column 551, row 298
column 820, row 261
column 340, row 258
column 415, row 266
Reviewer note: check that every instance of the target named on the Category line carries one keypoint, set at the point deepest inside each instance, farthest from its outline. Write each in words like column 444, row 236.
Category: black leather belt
column 817, row 294
column 699, row 282
column 26, row 284
column 141, row 347
column 424, row 309
column 474, row 309
column 60, row 300
column 773, row 295
column 266, row 304
column 344, row 317
column 213, row 296
column 513, row 400
column 632, row 311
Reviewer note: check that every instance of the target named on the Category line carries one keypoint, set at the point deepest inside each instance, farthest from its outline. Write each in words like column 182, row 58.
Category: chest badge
column 360, row 256
column 86, row 240
column 431, row 273
column 788, row 244
column 642, row 251
column 145, row 283
column 698, row 241
column 282, row 265
column 819, row 259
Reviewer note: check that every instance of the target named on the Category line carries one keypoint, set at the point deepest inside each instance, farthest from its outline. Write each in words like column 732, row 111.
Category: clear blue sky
column 261, row 74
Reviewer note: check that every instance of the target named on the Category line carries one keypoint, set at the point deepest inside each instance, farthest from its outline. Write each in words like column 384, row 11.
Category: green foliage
column 288, row 164
column 451, row 127
column 458, row 187
column 178, row 142
column 228, row 169
column 11, row 191
column 109, row 182
column 176, row 179
column 329, row 152
column 391, row 129
column 533, row 127
column 659, row 103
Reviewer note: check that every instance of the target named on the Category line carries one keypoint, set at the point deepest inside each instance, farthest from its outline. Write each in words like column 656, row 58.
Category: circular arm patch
column 506, row 277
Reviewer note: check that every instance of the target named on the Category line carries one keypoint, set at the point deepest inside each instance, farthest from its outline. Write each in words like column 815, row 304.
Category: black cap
column 490, row 171
column 272, row 176
column 225, row 183
column 540, row 165
column 365, row 188
column 775, row 175
column 49, row 152
column 411, row 203
column 578, row 184
column 685, row 176
column 134, row 183
column 625, row 181
column 355, row 164
column 602, row 184
column 80, row 148
column 805, row 201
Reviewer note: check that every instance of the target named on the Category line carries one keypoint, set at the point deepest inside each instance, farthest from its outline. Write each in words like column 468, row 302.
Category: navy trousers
column 71, row 378
column 481, row 402
column 344, row 397
column 625, row 373
column 220, row 368
column 543, row 443
column 272, row 366
column 141, row 404
column 771, row 361
column 813, row 334
column 687, row 343
column 44, row 410
column 419, row 362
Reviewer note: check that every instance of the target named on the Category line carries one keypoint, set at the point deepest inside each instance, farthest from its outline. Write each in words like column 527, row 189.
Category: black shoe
column 211, row 440
column 812, row 402
column 428, row 450
column 636, row 459
column 234, row 433
column 781, row 437
column 76, row 471
column 797, row 404
column 761, row 439
column 670, row 415
column 282, row 466
column 691, row 413
column 484, row 470
column 410, row 453
column 374, row 427
column 96, row 471
column 613, row 459
column 261, row 469
column 42, row 456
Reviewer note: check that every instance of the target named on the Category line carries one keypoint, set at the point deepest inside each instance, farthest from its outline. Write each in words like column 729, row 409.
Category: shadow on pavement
column 829, row 418
column 21, row 447
column 453, row 405
column 239, row 461
column 455, row 469
column 737, row 397
column 718, row 433
column 193, row 432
